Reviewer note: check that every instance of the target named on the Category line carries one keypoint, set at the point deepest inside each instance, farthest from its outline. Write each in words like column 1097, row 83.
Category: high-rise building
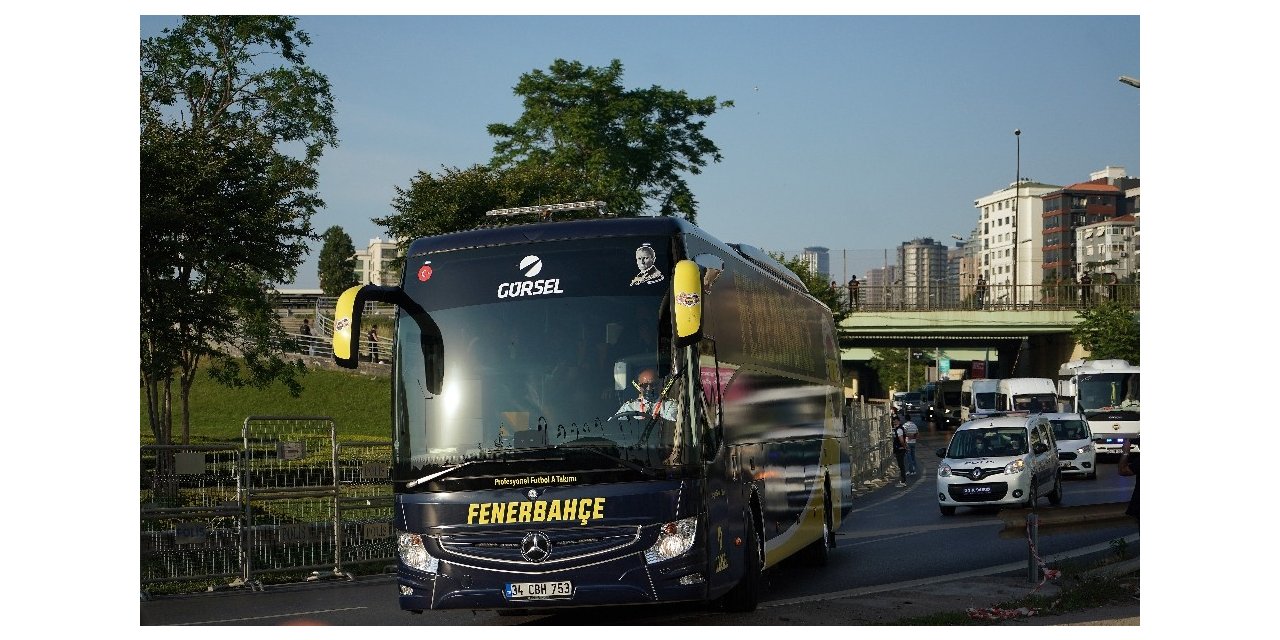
column 877, row 290
column 819, row 260
column 922, row 272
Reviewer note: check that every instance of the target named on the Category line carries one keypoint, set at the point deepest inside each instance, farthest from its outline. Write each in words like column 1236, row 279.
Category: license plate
column 973, row 491
column 538, row 590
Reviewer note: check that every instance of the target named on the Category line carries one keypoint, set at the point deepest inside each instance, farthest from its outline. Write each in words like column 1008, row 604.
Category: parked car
column 1001, row 460
column 1075, row 444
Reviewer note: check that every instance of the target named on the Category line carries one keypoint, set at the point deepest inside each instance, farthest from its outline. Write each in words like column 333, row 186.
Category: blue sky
column 851, row 132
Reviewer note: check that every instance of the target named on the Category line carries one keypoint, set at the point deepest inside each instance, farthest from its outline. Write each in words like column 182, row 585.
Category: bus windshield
column 580, row 371
column 1109, row 393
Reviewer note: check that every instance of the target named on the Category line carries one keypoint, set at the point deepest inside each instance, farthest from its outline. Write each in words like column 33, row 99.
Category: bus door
column 723, row 480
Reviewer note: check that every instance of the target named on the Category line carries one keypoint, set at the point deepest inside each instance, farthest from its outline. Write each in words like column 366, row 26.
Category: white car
column 1075, row 444
column 999, row 460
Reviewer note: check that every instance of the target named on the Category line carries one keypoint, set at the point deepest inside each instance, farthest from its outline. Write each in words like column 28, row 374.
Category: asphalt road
column 895, row 541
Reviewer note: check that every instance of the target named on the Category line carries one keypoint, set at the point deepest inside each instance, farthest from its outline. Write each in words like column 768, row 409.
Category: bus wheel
column 818, row 553
column 746, row 595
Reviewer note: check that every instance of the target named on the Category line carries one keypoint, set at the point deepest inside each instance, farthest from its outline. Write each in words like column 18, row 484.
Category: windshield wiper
column 626, row 463
column 413, row 483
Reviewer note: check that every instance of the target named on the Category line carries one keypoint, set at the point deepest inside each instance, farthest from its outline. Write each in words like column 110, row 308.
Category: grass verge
column 359, row 403
column 1081, row 588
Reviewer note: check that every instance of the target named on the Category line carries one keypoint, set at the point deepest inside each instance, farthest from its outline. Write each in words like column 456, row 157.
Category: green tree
column 225, row 207
column 628, row 147
column 1109, row 330
column 890, row 366
column 337, row 264
column 819, row 285
column 457, row 199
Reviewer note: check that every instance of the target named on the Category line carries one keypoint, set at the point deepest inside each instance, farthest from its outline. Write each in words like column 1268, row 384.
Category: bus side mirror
column 687, row 297
column 346, row 319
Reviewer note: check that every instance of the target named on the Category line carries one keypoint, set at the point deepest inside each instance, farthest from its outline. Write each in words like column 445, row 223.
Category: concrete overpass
column 1028, row 342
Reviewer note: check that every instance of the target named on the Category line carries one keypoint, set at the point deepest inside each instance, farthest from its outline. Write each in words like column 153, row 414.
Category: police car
column 1002, row 459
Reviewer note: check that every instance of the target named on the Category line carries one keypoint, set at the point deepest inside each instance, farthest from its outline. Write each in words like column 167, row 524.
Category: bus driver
column 647, row 401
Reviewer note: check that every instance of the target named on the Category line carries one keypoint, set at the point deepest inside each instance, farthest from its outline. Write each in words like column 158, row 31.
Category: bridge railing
column 949, row 297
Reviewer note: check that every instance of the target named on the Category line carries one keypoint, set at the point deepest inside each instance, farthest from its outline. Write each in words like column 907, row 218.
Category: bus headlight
column 414, row 554
column 674, row 539
column 1015, row 467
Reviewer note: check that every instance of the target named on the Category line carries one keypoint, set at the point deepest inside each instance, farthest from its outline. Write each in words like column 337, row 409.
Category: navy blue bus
column 605, row 411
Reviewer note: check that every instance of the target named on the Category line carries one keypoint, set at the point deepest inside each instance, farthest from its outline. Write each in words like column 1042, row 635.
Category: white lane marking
column 278, row 615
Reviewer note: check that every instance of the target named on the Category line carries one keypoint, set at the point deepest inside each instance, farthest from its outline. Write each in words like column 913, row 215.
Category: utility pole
column 1017, row 186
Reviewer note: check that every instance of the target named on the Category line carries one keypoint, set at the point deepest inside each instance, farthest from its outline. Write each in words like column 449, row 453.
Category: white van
column 1037, row 395
column 977, row 397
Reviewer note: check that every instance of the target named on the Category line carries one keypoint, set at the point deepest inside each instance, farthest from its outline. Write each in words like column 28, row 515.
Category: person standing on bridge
column 853, row 293
column 1086, row 284
column 980, row 291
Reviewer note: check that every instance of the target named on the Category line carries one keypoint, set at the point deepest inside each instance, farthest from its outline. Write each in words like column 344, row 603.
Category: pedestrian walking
column 853, row 293
column 900, row 450
column 911, row 433
column 373, row 344
column 307, row 345
column 1086, row 283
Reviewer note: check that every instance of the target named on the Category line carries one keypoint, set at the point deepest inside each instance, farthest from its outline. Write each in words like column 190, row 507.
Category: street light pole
column 1017, row 193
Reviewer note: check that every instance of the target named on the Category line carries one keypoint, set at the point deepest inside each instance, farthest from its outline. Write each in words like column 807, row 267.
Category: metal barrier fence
column 287, row 499
column 191, row 513
column 870, row 444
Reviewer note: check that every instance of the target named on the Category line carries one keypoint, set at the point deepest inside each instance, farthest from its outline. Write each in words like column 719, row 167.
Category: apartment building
column 379, row 263
column 1009, row 236
column 1103, row 198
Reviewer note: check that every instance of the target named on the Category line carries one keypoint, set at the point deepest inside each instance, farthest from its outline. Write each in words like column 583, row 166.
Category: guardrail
column 945, row 296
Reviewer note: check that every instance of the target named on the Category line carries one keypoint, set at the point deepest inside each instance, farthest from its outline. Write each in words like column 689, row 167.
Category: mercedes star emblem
column 535, row 547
